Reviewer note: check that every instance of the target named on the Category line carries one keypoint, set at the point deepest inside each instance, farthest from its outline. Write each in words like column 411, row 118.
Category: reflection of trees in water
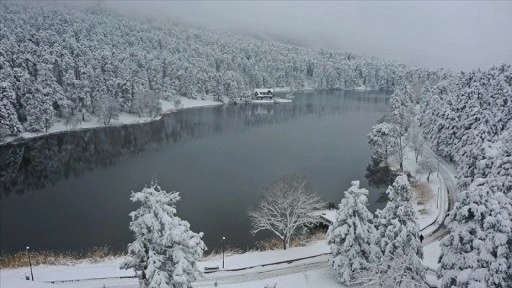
column 37, row 162
column 267, row 114
column 379, row 176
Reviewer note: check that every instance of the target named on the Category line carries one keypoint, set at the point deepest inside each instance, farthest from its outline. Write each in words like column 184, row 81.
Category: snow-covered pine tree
column 380, row 138
column 477, row 251
column 9, row 123
column 397, row 237
column 165, row 250
column 502, row 168
column 350, row 236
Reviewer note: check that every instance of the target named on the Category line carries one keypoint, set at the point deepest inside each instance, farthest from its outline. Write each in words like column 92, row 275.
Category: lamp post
column 223, row 246
column 438, row 194
column 30, row 263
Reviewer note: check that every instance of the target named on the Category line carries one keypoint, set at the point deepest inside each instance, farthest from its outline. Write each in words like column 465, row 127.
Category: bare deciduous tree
column 416, row 141
column 427, row 165
column 108, row 109
column 286, row 208
column 399, row 141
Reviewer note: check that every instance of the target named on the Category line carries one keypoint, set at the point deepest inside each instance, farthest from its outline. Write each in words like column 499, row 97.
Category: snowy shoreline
column 132, row 119
column 124, row 119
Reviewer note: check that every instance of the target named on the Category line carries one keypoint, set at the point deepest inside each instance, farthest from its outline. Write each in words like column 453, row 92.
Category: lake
column 70, row 191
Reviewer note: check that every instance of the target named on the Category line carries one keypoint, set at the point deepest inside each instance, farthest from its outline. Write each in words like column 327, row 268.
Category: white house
column 263, row 93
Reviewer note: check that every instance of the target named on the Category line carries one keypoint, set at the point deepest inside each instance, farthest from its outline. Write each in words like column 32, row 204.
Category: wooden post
column 30, row 264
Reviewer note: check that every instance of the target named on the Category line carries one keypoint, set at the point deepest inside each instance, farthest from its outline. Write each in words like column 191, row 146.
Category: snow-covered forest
column 59, row 64
column 467, row 118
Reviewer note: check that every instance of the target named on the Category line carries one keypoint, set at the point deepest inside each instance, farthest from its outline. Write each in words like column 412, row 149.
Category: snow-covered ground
column 124, row 118
column 431, row 254
column 109, row 270
column 46, row 273
column 255, row 269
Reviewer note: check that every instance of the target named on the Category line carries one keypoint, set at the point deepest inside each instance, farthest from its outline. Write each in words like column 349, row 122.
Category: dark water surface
column 71, row 191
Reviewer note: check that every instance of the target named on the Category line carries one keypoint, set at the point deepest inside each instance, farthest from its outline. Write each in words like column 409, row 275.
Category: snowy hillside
column 78, row 65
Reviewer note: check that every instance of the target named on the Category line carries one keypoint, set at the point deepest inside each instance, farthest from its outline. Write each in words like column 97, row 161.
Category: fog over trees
column 64, row 65
column 59, row 64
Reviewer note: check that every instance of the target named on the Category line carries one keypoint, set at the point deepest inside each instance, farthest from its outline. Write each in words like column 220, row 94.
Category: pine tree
column 477, row 251
column 397, row 238
column 380, row 138
column 350, row 236
column 165, row 250
column 502, row 166
column 9, row 123
column 40, row 113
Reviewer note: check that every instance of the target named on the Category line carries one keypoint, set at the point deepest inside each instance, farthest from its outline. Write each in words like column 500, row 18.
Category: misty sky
column 457, row 35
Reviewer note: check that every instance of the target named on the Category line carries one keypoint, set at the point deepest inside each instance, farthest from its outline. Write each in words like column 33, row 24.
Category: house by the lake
column 263, row 93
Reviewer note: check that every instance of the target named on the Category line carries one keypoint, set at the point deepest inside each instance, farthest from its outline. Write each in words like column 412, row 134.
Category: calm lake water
column 71, row 191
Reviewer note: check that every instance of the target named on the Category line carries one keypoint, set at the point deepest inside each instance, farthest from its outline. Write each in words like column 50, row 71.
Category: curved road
column 447, row 172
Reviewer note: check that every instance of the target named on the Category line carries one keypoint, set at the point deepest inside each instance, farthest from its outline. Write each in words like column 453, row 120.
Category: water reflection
column 38, row 162
column 71, row 191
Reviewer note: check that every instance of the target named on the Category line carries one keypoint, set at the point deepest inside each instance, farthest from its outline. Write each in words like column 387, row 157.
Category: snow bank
column 431, row 254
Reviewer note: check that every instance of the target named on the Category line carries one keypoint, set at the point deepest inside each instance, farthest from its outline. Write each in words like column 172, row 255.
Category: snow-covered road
column 437, row 230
